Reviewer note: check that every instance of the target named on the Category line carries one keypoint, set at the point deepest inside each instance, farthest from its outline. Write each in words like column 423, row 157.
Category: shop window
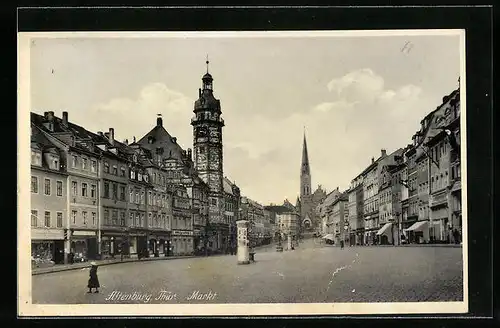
column 94, row 218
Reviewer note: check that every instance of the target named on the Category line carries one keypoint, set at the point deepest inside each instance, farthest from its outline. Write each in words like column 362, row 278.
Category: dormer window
column 151, row 139
column 132, row 174
column 134, row 158
column 36, row 158
column 54, row 163
column 139, row 176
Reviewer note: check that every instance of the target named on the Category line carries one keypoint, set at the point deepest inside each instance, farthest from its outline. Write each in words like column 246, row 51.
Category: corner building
column 208, row 159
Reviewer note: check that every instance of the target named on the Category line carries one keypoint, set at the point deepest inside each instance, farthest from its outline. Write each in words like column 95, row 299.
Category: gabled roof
column 161, row 139
column 228, row 186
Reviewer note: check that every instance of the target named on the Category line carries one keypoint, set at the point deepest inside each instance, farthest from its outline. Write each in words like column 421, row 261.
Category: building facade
column 48, row 200
column 232, row 202
column 355, row 209
column 338, row 217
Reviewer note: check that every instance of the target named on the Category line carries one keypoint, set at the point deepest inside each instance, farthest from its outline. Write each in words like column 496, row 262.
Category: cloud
column 359, row 85
column 138, row 115
column 262, row 153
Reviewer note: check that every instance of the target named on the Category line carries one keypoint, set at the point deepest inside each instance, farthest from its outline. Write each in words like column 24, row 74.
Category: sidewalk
column 405, row 245
column 76, row 266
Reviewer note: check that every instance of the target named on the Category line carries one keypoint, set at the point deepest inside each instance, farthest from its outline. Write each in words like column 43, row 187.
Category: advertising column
column 243, row 252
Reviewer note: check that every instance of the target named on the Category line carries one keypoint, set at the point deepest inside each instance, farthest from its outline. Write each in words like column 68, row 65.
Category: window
column 115, row 191
column 74, row 161
column 131, row 218
column 59, row 222
column 138, row 220
column 142, row 197
column 84, row 215
column 84, row 163
column 106, row 167
column 94, row 218
column 132, row 174
column 93, row 191
column 47, row 187
column 115, row 217
column 55, row 164
column 74, row 188
column 150, row 220
column 34, row 218
column 149, row 198
column 106, row 189
column 214, row 201
column 122, row 192
column 115, row 170
column 93, row 166
column 47, row 219
column 34, row 185
column 36, row 158
column 73, row 216
column 84, row 190
column 131, row 195
column 59, row 188
column 122, row 171
column 137, row 197
column 122, row 219
column 106, row 217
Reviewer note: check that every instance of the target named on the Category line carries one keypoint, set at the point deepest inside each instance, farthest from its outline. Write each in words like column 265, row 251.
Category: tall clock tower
column 207, row 148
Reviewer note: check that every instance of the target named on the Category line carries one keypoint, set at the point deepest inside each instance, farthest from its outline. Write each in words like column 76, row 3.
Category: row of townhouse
column 412, row 195
column 260, row 219
column 94, row 197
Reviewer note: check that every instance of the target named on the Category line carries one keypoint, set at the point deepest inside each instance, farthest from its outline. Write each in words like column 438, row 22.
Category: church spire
column 305, row 158
column 305, row 173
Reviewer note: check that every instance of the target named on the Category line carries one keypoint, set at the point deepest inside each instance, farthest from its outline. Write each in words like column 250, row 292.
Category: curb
column 35, row 272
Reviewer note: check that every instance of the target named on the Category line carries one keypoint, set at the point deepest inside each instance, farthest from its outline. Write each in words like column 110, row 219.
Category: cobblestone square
column 312, row 273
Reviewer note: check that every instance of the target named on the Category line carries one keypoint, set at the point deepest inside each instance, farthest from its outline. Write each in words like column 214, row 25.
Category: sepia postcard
column 242, row 173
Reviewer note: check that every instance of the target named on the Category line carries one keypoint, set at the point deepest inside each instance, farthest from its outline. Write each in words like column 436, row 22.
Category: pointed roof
column 305, row 157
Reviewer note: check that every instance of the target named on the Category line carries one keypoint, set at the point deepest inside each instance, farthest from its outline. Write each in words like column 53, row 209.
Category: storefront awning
column 418, row 226
column 384, row 229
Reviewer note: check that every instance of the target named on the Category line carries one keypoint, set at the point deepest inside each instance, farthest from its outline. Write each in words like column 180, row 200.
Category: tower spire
column 207, row 63
column 305, row 173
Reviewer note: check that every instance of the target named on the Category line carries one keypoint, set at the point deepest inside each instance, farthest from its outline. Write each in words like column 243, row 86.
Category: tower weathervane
column 207, row 63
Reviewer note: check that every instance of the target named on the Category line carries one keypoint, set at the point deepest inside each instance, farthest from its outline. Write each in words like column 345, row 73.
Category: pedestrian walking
column 341, row 244
column 93, row 280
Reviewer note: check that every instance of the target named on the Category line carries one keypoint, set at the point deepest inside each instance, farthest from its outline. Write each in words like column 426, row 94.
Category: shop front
column 138, row 244
column 83, row 246
column 47, row 246
column 115, row 244
column 418, row 233
column 440, row 231
column 182, row 242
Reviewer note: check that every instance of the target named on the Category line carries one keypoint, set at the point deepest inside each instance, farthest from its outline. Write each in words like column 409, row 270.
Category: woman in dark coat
column 93, row 280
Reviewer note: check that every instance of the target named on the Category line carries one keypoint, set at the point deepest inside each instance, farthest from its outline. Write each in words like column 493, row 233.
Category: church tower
column 305, row 172
column 207, row 148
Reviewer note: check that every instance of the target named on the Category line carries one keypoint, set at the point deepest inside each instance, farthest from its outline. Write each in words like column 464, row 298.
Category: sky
column 351, row 96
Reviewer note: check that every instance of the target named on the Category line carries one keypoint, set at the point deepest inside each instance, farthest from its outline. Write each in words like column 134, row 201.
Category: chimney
column 383, row 152
column 65, row 118
column 159, row 121
column 111, row 136
column 126, row 141
column 199, row 92
column 134, row 139
column 190, row 153
column 100, row 133
column 174, row 139
column 373, row 160
column 50, row 116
